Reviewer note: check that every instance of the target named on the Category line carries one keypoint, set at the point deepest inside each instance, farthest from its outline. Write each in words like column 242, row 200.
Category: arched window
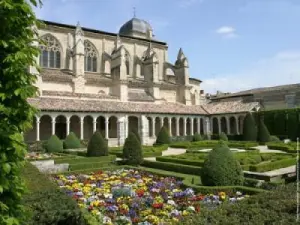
column 90, row 57
column 50, row 52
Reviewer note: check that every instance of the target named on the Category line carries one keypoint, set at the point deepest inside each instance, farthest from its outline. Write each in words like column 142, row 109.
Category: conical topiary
column 54, row 144
column 132, row 150
column 136, row 134
column 197, row 137
column 249, row 128
column 163, row 137
column 223, row 137
column 97, row 145
column 72, row 142
column 221, row 168
column 263, row 134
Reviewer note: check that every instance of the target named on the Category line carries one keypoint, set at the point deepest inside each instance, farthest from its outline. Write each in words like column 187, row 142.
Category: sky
column 231, row 45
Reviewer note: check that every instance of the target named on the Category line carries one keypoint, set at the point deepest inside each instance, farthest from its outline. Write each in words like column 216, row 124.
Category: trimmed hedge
column 213, row 143
column 173, row 167
column 97, row 146
column 263, row 167
column 87, row 160
column 163, row 137
column 249, row 128
column 54, row 144
column 132, row 150
column 71, row 141
column 289, row 148
column 198, row 163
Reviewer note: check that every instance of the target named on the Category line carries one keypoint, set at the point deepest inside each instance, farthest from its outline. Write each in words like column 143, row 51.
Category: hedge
column 289, row 148
column 92, row 165
column 194, row 170
column 109, row 158
column 213, row 143
column 263, row 167
column 148, row 151
column 198, row 163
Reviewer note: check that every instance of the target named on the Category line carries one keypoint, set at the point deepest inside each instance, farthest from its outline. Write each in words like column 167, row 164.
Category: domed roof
column 136, row 27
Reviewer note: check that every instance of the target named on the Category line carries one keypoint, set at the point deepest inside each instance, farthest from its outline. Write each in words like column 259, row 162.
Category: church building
column 118, row 82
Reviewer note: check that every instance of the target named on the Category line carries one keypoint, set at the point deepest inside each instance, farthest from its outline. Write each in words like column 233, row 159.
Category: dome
column 136, row 28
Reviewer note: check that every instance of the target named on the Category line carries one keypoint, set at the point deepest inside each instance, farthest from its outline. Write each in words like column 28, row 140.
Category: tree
column 136, row 134
column 97, row 145
column 132, row 150
column 263, row 134
column 223, row 137
column 54, row 144
column 17, row 54
column 197, row 137
column 221, row 168
column 249, row 128
column 163, row 137
column 72, row 141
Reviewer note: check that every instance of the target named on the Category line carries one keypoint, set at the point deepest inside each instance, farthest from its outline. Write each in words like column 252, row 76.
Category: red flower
column 157, row 205
column 140, row 192
column 90, row 208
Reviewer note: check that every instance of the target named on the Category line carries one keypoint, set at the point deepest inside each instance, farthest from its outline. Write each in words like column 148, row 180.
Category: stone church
column 117, row 82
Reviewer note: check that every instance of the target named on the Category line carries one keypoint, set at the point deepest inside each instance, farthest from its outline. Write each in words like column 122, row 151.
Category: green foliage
column 221, row 168
column 97, row 145
column 273, row 165
column 249, row 128
column 72, row 141
column 136, row 134
column 198, row 162
column 197, row 137
column 276, row 207
column 16, row 55
column 54, row 144
column 280, row 123
column 263, row 134
column 163, row 137
column 132, row 150
column 292, row 124
column 274, row 138
column 223, row 137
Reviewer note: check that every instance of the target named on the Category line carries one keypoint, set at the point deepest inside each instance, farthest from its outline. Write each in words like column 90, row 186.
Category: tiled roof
column 76, row 105
column 139, row 96
column 78, row 95
column 229, row 107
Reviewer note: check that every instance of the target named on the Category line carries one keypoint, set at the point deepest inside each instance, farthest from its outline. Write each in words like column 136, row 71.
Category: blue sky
column 231, row 45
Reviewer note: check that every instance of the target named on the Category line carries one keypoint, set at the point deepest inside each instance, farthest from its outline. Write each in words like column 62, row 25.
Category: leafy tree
column 223, row 137
column 263, row 134
column 54, row 144
column 132, row 150
column 72, row 141
column 97, row 145
column 17, row 54
column 249, row 128
column 163, row 137
column 221, row 168
column 197, row 137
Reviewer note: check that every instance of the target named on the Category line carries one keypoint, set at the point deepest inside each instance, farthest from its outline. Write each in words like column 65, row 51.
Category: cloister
column 115, row 127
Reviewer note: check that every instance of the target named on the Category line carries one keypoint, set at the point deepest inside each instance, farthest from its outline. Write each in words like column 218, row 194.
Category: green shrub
column 132, row 150
column 72, row 141
column 263, row 167
column 97, row 145
column 163, row 137
column 135, row 131
column 223, row 137
column 221, row 168
column 274, row 138
column 197, row 137
column 181, row 161
column 263, row 134
column 249, row 128
column 54, row 144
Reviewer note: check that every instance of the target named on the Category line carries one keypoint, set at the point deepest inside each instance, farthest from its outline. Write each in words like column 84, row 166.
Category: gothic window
column 50, row 52
column 90, row 57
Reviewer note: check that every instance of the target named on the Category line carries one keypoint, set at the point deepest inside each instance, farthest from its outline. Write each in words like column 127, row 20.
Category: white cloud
column 282, row 68
column 188, row 3
column 227, row 32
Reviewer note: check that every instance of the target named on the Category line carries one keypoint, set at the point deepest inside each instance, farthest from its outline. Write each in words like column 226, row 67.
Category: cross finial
column 134, row 12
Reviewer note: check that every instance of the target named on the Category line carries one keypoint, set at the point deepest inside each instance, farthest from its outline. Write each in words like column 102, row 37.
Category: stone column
column 153, row 127
column 126, row 125
column 219, row 125
column 170, row 126
column 207, row 126
column 161, row 122
column 53, row 125
column 177, row 126
column 237, row 125
column 121, row 130
column 228, row 125
column 184, row 126
column 106, row 127
column 68, row 125
column 199, row 125
column 144, row 129
column 94, row 124
column 81, row 128
column 192, row 126
column 37, row 128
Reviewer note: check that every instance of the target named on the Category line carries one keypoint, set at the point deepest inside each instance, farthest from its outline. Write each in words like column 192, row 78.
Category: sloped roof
column 224, row 107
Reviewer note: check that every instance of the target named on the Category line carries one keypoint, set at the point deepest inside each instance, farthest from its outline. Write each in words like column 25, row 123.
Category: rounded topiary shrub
column 97, row 145
column 274, row 138
column 263, row 134
column 72, row 141
column 223, row 137
column 136, row 134
column 54, row 144
column 221, row 168
column 197, row 137
column 163, row 137
column 249, row 128
column 132, row 150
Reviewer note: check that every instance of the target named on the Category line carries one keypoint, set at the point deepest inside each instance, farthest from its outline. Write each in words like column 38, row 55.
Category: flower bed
column 129, row 196
column 40, row 156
